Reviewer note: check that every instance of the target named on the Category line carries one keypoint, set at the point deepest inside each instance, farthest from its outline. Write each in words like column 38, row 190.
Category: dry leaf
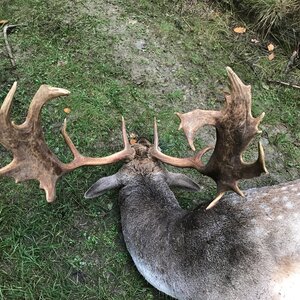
column 3, row 22
column 271, row 47
column 132, row 138
column 132, row 141
column 239, row 29
column 271, row 56
column 67, row 110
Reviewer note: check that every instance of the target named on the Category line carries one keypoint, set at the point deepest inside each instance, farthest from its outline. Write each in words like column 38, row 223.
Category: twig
column 188, row 25
column 292, row 59
column 8, row 48
column 284, row 83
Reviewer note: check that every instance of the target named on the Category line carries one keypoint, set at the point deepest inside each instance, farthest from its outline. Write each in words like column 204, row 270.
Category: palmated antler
column 32, row 159
column 235, row 127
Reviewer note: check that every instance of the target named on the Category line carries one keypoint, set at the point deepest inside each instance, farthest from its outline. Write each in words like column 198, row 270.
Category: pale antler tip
column 57, row 91
column 261, row 157
column 229, row 70
column 49, row 190
column 234, row 187
column 235, row 82
column 49, row 196
column 262, row 115
column 6, row 105
column 64, row 127
column 191, row 143
column 239, row 192
column 215, row 201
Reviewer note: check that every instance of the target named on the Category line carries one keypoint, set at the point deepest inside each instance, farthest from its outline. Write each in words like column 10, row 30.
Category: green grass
column 73, row 248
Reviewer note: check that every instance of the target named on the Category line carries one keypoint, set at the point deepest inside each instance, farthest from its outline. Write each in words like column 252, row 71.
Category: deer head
column 141, row 164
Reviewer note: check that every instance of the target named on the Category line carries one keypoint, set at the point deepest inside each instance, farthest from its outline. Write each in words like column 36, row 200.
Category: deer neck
column 148, row 193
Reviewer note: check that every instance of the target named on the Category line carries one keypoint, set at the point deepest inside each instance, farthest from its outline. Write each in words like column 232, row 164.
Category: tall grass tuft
column 273, row 14
column 279, row 19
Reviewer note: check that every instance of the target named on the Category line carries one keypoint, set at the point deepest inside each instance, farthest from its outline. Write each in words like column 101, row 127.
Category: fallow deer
column 243, row 248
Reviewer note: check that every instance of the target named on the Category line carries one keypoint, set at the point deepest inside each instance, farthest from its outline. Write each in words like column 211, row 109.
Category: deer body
column 242, row 249
column 232, row 252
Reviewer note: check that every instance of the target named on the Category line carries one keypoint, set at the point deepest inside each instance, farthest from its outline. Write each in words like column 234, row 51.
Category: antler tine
column 80, row 160
column 32, row 157
column 192, row 121
column 7, row 169
column 189, row 162
column 7, row 103
column 42, row 96
column 215, row 201
column 126, row 143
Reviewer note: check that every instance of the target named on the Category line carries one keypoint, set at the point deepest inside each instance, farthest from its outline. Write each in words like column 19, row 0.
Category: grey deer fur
column 244, row 248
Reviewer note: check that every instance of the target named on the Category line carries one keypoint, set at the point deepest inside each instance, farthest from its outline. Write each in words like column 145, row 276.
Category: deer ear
column 182, row 181
column 103, row 185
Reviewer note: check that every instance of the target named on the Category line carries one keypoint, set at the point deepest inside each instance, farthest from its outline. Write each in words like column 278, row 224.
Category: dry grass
column 278, row 19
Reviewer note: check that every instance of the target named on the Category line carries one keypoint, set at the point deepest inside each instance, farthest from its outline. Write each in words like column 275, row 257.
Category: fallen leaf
column 239, row 29
column 132, row 138
column 271, row 47
column 132, row 141
column 3, row 22
column 67, row 110
column 271, row 56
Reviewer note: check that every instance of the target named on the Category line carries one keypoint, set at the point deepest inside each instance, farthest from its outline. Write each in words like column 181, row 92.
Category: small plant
column 77, row 262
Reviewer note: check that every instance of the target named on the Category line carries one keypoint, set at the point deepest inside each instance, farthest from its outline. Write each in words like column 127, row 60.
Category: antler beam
column 235, row 127
column 32, row 158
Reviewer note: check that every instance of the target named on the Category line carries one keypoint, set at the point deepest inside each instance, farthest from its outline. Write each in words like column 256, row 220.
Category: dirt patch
column 149, row 59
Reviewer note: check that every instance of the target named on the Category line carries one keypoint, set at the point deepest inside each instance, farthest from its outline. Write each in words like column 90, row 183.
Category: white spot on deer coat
column 287, row 280
column 289, row 205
